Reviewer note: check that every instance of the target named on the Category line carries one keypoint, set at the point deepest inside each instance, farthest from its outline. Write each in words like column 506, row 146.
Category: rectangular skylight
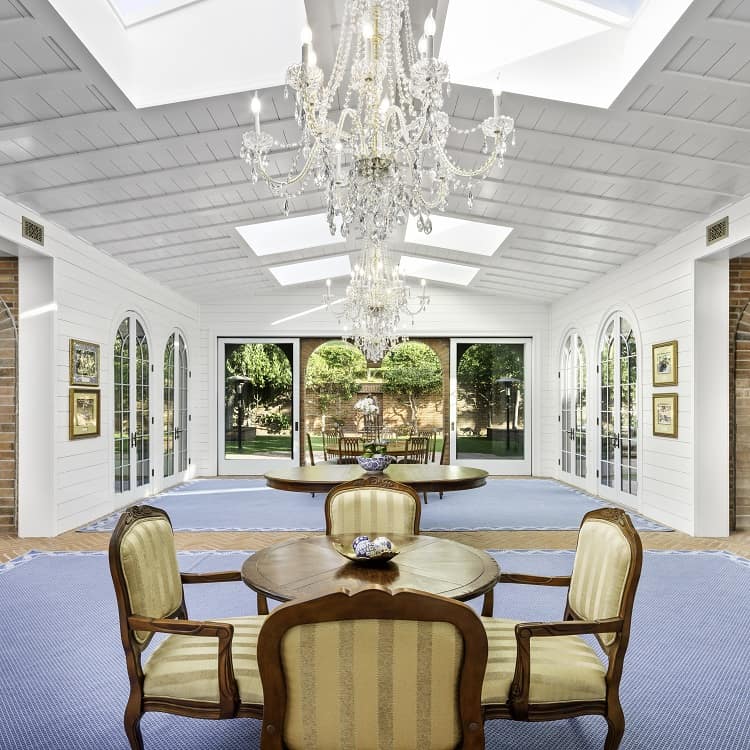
column 478, row 237
column 135, row 11
column 437, row 270
column 286, row 235
column 312, row 270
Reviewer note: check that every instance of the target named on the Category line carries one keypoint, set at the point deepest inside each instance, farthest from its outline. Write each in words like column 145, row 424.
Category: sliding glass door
column 258, row 404
column 490, row 409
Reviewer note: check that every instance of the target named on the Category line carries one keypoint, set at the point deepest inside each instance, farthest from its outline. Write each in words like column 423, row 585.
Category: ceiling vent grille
column 717, row 231
column 30, row 230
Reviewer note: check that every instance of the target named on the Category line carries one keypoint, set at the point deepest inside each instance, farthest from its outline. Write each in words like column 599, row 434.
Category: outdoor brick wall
column 739, row 393
column 432, row 412
column 8, row 400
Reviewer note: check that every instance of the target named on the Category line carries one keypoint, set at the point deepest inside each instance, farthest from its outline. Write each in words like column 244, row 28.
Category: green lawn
column 261, row 445
column 491, row 447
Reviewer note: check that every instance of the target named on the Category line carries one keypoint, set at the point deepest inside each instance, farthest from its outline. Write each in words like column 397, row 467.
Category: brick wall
column 8, row 395
column 739, row 393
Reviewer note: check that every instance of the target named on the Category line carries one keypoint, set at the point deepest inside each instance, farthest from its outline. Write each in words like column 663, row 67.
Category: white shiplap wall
column 657, row 293
column 93, row 292
column 451, row 313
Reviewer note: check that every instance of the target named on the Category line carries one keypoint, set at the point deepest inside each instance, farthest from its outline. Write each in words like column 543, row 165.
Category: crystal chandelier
column 385, row 155
column 376, row 298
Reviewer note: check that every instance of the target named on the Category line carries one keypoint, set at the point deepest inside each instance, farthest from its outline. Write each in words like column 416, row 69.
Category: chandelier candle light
column 385, row 155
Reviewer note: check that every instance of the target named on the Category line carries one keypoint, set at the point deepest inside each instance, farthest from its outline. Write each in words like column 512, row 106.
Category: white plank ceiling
column 584, row 189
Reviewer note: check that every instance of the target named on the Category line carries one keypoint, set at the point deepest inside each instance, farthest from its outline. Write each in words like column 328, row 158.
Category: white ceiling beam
column 182, row 244
column 165, row 264
column 544, row 256
column 531, row 278
column 618, row 255
column 155, row 257
column 19, row 29
column 516, row 290
column 707, row 85
column 52, row 126
column 39, row 84
column 731, row 30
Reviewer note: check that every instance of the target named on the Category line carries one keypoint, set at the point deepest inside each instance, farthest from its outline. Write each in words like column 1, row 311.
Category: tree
column 480, row 366
column 334, row 371
column 266, row 376
column 411, row 371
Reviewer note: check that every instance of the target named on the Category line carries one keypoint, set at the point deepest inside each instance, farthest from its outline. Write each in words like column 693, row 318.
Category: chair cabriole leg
column 615, row 727
column 133, row 727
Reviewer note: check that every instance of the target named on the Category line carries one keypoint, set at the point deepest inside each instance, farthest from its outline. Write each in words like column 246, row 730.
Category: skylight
column 545, row 48
column 312, row 270
column 478, row 237
column 135, row 11
column 286, row 235
column 437, row 270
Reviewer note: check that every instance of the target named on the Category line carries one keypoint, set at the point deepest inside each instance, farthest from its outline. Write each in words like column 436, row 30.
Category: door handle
column 571, row 433
column 133, row 436
column 453, row 426
column 296, row 426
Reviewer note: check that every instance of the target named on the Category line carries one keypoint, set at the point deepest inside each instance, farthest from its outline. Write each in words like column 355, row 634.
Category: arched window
column 175, row 415
column 573, row 406
column 131, row 406
column 618, row 412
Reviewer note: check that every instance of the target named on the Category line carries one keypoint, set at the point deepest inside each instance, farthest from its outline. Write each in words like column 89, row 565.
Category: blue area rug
column 248, row 505
column 64, row 682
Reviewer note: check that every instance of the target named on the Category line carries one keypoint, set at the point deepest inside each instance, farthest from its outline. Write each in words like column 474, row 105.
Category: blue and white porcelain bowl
column 374, row 463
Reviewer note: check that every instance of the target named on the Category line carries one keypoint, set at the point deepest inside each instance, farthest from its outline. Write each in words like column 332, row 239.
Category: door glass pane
column 579, row 426
column 182, row 412
column 566, row 367
column 490, row 405
column 142, row 411
column 122, row 407
column 168, row 416
column 607, row 408
column 258, row 400
column 628, row 410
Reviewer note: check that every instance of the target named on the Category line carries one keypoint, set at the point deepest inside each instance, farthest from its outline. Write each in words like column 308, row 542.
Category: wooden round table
column 421, row 477
column 311, row 566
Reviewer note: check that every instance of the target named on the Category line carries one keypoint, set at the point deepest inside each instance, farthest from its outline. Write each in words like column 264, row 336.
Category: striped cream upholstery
column 602, row 563
column 372, row 684
column 563, row 668
column 186, row 667
column 149, row 564
column 387, row 511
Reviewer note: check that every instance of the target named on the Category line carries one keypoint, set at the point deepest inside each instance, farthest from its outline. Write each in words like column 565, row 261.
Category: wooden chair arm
column 218, row 577
column 532, row 580
column 525, row 631
column 229, row 696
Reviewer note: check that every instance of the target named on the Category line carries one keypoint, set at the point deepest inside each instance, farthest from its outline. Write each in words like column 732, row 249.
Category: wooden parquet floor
column 11, row 546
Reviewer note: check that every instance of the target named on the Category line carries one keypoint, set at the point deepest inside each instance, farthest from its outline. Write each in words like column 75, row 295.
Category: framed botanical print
column 664, row 363
column 83, row 418
column 665, row 414
column 84, row 363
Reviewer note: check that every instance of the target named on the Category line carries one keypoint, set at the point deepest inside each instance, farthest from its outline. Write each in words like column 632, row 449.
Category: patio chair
column 349, row 449
column 542, row 671
column 431, row 436
column 202, row 669
column 427, row 657
column 330, row 440
column 417, row 452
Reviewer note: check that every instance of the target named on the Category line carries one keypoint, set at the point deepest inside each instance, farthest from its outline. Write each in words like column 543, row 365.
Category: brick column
column 8, row 393
column 739, row 393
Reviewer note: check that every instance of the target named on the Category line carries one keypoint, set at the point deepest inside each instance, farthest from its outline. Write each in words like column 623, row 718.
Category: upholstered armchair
column 203, row 669
column 541, row 671
column 372, row 669
column 372, row 503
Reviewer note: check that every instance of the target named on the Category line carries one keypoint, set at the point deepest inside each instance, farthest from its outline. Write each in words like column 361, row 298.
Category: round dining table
column 421, row 477
column 311, row 566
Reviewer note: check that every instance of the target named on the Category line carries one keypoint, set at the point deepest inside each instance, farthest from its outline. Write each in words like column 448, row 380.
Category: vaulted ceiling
column 584, row 189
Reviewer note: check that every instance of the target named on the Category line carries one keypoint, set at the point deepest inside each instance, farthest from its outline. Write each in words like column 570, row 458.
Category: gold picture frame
column 665, row 414
column 84, row 418
column 664, row 363
column 84, row 363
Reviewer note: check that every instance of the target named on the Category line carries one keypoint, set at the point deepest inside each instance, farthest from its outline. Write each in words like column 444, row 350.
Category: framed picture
column 664, row 363
column 665, row 414
column 84, row 363
column 84, row 413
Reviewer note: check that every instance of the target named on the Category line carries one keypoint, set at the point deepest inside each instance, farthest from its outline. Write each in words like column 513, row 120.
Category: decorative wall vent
column 30, row 230
column 717, row 231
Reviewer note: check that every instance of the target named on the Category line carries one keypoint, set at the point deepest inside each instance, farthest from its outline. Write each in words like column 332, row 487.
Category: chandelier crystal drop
column 385, row 155
column 376, row 298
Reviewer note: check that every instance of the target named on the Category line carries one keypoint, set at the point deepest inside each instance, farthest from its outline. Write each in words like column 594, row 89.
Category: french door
column 618, row 412
column 175, row 407
column 490, row 407
column 573, row 404
column 132, row 409
column 258, row 404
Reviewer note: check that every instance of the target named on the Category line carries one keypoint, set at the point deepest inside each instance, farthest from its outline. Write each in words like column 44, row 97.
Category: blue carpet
column 64, row 684
column 248, row 505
